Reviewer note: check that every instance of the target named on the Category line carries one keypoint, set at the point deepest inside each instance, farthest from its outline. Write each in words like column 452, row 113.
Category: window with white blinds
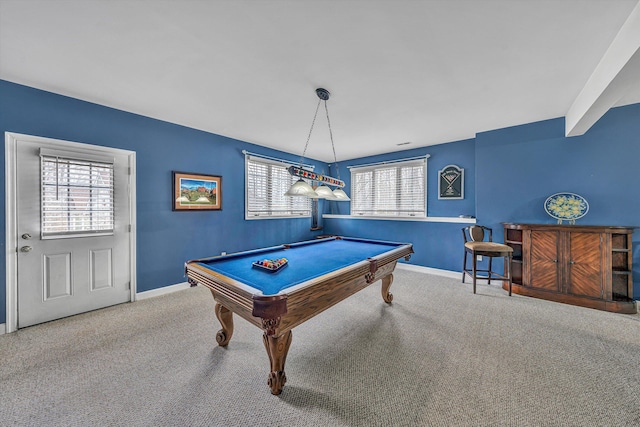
column 396, row 190
column 267, row 181
column 77, row 197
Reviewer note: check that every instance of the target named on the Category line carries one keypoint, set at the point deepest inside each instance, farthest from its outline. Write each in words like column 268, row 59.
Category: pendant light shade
column 301, row 188
column 340, row 195
column 325, row 192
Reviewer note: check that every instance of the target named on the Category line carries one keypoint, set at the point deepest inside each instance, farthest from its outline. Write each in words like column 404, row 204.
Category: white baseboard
column 429, row 270
column 438, row 272
column 139, row 296
column 417, row 268
column 162, row 291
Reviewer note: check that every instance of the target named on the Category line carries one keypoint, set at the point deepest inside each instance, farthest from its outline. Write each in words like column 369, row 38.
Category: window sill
column 450, row 219
column 252, row 218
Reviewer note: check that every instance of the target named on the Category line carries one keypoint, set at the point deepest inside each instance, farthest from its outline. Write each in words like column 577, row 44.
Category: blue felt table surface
column 306, row 262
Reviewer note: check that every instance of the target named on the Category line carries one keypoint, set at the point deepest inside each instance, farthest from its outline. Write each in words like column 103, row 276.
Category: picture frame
column 451, row 183
column 196, row 191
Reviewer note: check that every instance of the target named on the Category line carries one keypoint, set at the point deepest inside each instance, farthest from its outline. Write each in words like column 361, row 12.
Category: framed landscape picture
column 196, row 192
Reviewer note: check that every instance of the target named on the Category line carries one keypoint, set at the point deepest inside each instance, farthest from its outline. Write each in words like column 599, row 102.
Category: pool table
column 317, row 275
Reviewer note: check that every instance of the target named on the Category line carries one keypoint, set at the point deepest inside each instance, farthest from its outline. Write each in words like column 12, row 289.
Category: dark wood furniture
column 585, row 265
column 319, row 274
column 475, row 245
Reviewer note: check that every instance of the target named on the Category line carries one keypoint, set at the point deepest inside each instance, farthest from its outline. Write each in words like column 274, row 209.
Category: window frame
column 96, row 192
column 378, row 211
column 282, row 166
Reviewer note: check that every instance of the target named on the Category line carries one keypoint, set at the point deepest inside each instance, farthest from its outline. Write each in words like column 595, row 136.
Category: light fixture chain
column 335, row 159
column 309, row 136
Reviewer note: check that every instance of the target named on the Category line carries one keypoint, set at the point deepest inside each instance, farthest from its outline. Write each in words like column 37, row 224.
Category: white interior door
column 73, row 222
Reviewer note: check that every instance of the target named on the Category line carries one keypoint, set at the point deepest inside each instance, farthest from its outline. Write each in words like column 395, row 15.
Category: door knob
column 26, row 236
column 26, row 249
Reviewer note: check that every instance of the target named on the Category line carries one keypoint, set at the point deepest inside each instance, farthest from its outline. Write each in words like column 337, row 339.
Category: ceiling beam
column 614, row 76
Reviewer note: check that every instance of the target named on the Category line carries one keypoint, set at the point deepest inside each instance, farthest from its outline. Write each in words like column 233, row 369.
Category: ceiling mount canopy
column 323, row 94
column 301, row 188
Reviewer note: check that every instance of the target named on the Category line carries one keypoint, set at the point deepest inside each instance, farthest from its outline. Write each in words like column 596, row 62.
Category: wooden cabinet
column 590, row 266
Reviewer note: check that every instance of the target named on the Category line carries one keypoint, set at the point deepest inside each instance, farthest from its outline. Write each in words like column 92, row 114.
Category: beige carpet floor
column 437, row 356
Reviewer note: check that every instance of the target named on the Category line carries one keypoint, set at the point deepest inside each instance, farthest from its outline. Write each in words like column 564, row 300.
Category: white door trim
column 11, row 202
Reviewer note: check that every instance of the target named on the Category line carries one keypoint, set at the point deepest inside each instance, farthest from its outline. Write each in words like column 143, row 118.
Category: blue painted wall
column 512, row 172
column 508, row 173
column 165, row 239
column 461, row 153
column 517, row 168
column 436, row 244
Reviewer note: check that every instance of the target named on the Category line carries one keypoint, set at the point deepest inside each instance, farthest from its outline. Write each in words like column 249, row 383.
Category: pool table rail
column 225, row 291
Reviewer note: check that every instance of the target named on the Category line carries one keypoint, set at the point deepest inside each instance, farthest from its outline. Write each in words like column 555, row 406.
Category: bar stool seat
column 475, row 245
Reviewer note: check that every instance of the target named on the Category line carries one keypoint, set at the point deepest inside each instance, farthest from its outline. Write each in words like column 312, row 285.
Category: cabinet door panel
column 585, row 269
column 544, row 260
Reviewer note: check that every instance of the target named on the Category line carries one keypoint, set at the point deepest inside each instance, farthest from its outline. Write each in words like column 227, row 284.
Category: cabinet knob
column 555, row 260
column 572, row 262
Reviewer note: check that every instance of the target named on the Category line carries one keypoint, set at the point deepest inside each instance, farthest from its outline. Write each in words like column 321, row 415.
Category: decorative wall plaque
column 451, row 183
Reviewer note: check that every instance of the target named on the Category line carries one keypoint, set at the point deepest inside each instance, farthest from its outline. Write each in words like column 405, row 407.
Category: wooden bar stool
column 475, row 245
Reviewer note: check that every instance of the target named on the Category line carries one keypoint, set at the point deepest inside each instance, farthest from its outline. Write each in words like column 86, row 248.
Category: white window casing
column 395, row 189
column 267, row 179
column 77, row 196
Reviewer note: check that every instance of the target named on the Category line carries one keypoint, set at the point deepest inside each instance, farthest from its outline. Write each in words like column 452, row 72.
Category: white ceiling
column 425, row 72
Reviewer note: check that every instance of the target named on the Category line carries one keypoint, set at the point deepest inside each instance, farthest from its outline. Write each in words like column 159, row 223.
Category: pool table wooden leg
column 386, row 284
column 277, row 349
column 225, row 316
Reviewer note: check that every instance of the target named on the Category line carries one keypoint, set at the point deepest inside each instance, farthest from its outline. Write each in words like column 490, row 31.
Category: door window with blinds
column 391, row 190
column 266, row 182
column 76, row 196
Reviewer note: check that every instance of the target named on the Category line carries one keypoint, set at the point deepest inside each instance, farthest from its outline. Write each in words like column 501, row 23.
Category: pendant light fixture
column 301, row 188
column 325, row 192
